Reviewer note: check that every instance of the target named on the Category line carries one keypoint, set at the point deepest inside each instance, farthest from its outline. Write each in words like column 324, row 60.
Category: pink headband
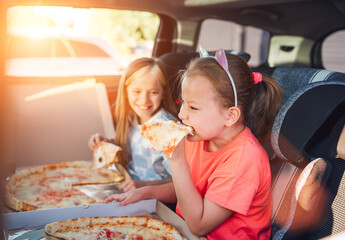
column 220, row 58
column 257, row 77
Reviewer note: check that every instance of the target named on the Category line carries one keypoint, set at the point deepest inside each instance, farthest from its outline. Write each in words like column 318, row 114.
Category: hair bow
column 221, row 59
column 257, row 77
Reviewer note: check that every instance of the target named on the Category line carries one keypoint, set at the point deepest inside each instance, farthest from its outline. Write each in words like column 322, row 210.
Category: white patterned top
column 143, row 163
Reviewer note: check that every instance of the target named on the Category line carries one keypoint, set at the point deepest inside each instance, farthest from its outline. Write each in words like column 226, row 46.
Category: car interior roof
column 276, row 16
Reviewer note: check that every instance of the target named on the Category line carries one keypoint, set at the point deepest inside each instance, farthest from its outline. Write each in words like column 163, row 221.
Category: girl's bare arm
column 201, row 215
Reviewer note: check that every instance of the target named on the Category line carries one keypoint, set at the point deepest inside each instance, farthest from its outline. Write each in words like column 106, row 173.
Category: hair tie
column 257, row 77
column 220, row 58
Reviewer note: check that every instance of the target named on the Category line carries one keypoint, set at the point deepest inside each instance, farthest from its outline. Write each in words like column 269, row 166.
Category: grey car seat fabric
column 301, row 116
column 293, row 79
column 308, row 126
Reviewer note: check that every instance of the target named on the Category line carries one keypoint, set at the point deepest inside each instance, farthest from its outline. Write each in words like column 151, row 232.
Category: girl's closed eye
column 183, row 103
column 135, row 91
column 154, row 92
column 193, row 108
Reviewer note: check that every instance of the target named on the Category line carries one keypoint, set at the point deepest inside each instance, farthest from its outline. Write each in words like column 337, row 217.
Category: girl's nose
column 182, row 114
column 144, row 97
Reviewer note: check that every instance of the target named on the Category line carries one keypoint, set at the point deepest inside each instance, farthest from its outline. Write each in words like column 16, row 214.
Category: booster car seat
column 308, row 139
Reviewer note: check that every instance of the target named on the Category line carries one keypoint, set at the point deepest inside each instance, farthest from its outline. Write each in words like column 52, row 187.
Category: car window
column 28, row 47
column 65, row 34
column 83, row 49
column 215, row 34
column 333, row 51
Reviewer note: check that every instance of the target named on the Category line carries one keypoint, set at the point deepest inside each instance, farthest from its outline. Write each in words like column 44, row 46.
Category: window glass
column 114, row 37
column 333, row 52
column 30, row 47
column 215, row 34
column 83, row 49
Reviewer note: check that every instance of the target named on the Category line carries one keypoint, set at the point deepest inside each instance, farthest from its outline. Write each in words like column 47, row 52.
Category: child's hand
column 130, row 184
column 95, row 141
column 126, row 198
column 179, row 151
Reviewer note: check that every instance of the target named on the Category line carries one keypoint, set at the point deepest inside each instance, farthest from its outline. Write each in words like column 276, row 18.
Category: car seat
column 308, row 138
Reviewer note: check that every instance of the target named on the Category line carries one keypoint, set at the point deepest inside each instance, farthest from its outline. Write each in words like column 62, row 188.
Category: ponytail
column 262, row 111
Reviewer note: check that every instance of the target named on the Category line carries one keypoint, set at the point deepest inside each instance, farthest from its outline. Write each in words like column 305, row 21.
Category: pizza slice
column 126, row 227
column 105, row 154
column 164, row 136
column 55, row 185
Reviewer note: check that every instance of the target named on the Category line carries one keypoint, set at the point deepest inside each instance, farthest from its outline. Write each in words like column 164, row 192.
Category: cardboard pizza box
column 28, row 219
column 171, row 217
column 16, row 223
column 123, row 171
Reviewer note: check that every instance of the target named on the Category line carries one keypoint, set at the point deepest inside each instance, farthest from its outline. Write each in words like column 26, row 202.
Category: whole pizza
column 98, row 228
column 52, row 186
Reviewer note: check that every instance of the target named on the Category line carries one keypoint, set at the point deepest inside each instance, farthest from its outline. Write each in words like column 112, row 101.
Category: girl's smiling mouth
column 144, row 108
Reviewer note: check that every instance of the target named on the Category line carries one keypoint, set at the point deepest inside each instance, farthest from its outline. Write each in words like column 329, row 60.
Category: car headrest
column 308, row 117
column 174, row 62
column 294, row 78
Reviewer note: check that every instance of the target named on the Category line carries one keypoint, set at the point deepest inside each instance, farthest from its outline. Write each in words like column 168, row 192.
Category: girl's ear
column 233, row 116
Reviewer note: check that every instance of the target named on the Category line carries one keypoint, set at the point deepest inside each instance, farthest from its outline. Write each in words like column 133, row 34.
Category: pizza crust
column 92, row 227
column 105, row 154
column 165, row 136
column 51, row 186
column 14, row 203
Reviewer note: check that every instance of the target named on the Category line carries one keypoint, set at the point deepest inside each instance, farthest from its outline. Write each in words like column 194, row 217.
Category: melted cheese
column 165, row 136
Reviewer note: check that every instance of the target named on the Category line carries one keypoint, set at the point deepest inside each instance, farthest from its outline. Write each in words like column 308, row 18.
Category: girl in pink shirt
column 221, row 173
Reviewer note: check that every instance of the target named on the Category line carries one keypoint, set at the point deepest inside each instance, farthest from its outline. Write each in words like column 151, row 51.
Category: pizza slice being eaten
column 105, row 154
column 165, row 136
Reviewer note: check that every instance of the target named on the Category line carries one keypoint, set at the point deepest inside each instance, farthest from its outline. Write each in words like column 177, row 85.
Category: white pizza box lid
column 36, row 218
column 40, row 217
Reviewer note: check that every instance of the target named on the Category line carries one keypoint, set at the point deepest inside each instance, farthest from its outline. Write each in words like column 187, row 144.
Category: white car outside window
column 61, row 55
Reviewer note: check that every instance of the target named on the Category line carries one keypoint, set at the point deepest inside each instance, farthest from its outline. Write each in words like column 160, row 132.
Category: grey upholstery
column 308, row 126
column 302, row 115
column 293, row 79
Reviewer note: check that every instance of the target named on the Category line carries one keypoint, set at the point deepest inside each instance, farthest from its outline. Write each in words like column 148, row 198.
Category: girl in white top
column 142, row 97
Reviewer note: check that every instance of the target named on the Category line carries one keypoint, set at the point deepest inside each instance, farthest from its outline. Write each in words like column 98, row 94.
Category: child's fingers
column 115, row 197
column 95, row 140
column 91, row 143
column 132, row 198
column 127, row 185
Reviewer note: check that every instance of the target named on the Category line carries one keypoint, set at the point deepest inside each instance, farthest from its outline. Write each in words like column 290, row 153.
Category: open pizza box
column 30, row 224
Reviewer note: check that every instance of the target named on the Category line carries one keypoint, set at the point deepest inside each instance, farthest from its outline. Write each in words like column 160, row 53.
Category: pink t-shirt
column 236, row 177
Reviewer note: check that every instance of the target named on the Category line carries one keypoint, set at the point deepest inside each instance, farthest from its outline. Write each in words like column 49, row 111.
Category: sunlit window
column 66, row 39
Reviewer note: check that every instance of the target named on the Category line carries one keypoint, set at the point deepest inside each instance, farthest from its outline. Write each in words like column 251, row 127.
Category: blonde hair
column 124, row 115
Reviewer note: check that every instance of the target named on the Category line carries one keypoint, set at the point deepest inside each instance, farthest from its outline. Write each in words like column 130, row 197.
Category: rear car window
column 333, row 52
column 215, row 34
column 27, row 47
column 82, row 49
column 68, row 36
